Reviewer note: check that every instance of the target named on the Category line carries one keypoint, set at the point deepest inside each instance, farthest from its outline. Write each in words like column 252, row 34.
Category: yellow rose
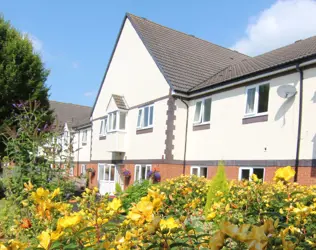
column 170, row 223
column 284, row 174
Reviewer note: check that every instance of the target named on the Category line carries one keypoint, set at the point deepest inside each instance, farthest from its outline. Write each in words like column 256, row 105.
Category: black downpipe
column 186, row 136
column 300, row 111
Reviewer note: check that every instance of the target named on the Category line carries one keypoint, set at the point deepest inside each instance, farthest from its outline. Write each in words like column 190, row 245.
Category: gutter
column 299, row 127
column 185, row 137
column 236, row 83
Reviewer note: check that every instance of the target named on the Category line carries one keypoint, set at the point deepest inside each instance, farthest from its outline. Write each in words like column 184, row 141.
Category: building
column 178, row 104
column 74, row 125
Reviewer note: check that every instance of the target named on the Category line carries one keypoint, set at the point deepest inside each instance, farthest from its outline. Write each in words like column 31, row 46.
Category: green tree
column 22, row 74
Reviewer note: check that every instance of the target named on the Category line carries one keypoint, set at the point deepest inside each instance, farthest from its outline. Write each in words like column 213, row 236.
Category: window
column 116, row 121
column 257, row 99
column 141, row 172
column 103, row 127
column 199, row 171
column 106, row 172
column 202, row 111
column 84, row 137
column 71, row 171
column 83, row 169
column 145, row 117
column 246, row 173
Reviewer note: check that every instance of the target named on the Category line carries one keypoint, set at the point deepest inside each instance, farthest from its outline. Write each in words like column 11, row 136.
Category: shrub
column 217, row 188
column 135, row 192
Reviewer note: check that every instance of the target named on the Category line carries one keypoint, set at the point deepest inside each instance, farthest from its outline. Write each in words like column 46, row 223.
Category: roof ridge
column 68, row 103
column 190, row 35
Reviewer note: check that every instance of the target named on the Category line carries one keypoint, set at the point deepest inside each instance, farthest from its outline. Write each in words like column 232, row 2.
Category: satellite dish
column 286, row 91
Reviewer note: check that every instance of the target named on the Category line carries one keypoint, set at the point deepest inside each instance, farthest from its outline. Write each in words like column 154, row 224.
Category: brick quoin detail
column 170, row 127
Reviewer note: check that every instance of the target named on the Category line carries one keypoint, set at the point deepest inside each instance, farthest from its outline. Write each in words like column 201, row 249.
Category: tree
column 22, row 74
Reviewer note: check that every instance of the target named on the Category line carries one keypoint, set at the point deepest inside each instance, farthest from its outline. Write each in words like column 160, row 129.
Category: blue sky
column 76, row 38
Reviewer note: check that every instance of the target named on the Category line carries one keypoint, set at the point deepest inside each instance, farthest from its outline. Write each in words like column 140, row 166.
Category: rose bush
column 251, row 215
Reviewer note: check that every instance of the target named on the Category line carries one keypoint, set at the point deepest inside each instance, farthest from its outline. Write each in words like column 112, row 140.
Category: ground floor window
column 106, row 172
column 199, row 171
column 71, row 171
column 245, row 173
column 83, row 169
column 141, row 172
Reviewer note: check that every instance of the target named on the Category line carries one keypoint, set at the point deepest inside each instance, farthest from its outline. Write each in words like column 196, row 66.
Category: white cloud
column 283, row 23
column 89, row 94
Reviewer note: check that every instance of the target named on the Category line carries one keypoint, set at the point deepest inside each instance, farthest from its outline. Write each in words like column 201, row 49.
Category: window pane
column 83, row 169
column 203, row 172
column 107, row 173
column 259, row 172
column 195, row 171
column 101, row 127
column 245, row 174
column 139, row 120
column 207, row 110
column 198, row 106
column 114, row 121
column 146, row 115
column 263, row 98
column 250, row 100
column 101, row 172
column 105, row 128
column 151, row 115
column 122, row 120
column 110, row 122
column 143, row 174
column 137, row 173
column 112, row 173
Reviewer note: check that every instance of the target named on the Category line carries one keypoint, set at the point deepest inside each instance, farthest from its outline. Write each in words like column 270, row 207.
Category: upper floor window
column 145, row 117
column 84, row 137
column 202, row 111
column 257, row 99
column 115, row 121
column 103, row 126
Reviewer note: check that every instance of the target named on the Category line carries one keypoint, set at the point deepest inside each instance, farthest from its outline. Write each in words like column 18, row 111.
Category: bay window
column 257, row 99
column 202, row 111
column 145, row 117
column 114, row 121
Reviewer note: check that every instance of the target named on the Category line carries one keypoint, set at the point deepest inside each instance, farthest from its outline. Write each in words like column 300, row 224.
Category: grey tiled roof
column 290, row 53
column 184, row 60
column 72, row 114
column 120, row 101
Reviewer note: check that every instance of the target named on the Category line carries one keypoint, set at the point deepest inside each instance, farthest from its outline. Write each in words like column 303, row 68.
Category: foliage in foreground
column 22, row 74
column 252, row 215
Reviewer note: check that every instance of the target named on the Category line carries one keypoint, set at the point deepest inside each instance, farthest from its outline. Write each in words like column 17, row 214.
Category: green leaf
column 180, row 244
column 85, row 230
column 55, row 245
column 71, row 246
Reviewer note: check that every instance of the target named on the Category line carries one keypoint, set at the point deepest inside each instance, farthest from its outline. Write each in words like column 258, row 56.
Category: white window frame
column 251, row 172
column 117, row 124
column 255, row 109
column 71, row 171
column 199, row 170
column 103, row 126
column 142, row 109
column 148, row 168
column 83, row 166
column 110, row 167
column 84, row 138
column 201, row 121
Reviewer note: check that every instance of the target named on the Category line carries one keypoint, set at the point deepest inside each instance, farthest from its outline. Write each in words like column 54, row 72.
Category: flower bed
column 251, row 215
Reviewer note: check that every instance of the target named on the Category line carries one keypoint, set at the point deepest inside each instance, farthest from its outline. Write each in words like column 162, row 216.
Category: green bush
column 134, row 192
column 218, row 184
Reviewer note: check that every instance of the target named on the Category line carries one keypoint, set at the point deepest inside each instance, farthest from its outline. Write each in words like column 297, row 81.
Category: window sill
column 83, row 144
column 202, row 126
column 144, row 130
column 255, row 118
column 102, row 137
